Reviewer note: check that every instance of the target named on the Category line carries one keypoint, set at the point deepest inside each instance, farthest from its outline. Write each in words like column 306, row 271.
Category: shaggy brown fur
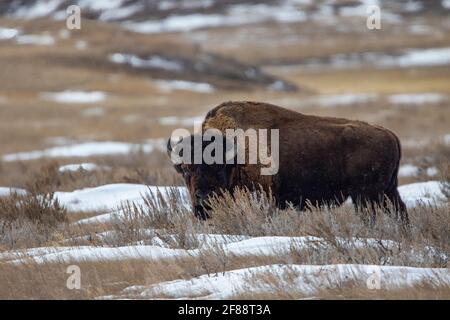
column 322, row 160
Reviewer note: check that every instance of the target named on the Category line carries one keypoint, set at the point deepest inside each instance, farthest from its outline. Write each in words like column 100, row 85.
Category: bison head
column 203, row 179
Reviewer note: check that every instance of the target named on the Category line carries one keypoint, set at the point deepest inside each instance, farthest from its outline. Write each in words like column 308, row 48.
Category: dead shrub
column 32, row 218
column 168, row 218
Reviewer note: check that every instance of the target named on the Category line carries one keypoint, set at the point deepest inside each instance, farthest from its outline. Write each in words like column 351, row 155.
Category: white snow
column 87, row 149
column 8, row 33
column 230, row 245
column 446, row 4
column 100, row 5
column 330, row 100
column 186, row 121
column 345, row 99
column 417, row 98
column 35, row 39
column 415, row 57
column 184, row 4
column 408, row 170
column 170, row 85
column 86, row 166
column 412, row 6
column 99, row 219
column 6, row 191
column 412, row 194
column 421, row 57
column 39, row 9
column 303, row 279
column 75, row 97
column 235, row 15
column 421, row 193
column 120, row 13
column 154, row 61
column 109, row 197
column 359, row 9
column 432, row 171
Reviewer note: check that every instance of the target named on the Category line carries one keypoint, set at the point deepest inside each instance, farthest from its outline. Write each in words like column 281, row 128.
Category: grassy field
column 136, row 109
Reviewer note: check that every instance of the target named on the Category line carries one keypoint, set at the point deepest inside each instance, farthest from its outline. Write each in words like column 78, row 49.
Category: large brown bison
column 322, row 160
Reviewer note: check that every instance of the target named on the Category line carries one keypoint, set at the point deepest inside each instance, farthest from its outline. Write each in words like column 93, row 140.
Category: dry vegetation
column 341, row 233
column 131, row 113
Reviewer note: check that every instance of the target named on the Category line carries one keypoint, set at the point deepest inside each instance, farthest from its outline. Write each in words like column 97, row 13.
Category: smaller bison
column 322, row 160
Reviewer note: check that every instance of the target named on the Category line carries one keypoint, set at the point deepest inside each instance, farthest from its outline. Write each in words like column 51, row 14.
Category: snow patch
column 427, row 193
column 420, row 57
column 86, row 166
column 109, row 197
column 235, row 15
column 408, row 170
column 154, row 61
column 446, row 4
column 87, row 149
column 417, row 98
column 35, row 39
column 171, row 85
column 304, row 279
column 173, row 120
column 8, row 33
column 405, row 59
column 6, row 191
column 120, row 13
column 75, row 97
column 38, row 9
column 345, row 99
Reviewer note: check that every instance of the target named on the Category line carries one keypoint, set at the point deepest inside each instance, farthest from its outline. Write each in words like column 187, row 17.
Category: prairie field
column 85, row 180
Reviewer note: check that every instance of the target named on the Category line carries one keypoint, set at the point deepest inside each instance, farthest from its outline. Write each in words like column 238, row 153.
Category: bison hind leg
column 392, row 202
column 389, row 202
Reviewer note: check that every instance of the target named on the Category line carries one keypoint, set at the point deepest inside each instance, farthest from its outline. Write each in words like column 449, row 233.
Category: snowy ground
column 307, row 280
column 87, row 149
column 109, row 197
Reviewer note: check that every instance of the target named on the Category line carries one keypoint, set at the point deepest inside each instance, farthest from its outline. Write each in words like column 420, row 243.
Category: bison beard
column 322, row 161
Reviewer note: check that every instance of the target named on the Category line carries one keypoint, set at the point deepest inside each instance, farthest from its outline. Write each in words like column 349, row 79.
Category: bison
column 322, row 161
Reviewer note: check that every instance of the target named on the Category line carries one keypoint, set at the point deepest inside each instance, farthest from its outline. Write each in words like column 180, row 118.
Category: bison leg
column 366, row 206
column 393, row 201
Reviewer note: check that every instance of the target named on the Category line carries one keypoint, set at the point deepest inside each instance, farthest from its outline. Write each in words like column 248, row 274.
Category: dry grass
column 342, row 231
column 140, row 168
column 344, row 235
column 278, row 288
column 32, row 219
column 131, row 112
column 48, row 281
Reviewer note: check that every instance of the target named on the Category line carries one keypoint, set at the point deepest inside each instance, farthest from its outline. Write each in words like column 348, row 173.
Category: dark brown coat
column 323, row 160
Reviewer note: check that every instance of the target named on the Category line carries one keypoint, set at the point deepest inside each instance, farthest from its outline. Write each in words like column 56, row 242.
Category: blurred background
column 96, row 105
